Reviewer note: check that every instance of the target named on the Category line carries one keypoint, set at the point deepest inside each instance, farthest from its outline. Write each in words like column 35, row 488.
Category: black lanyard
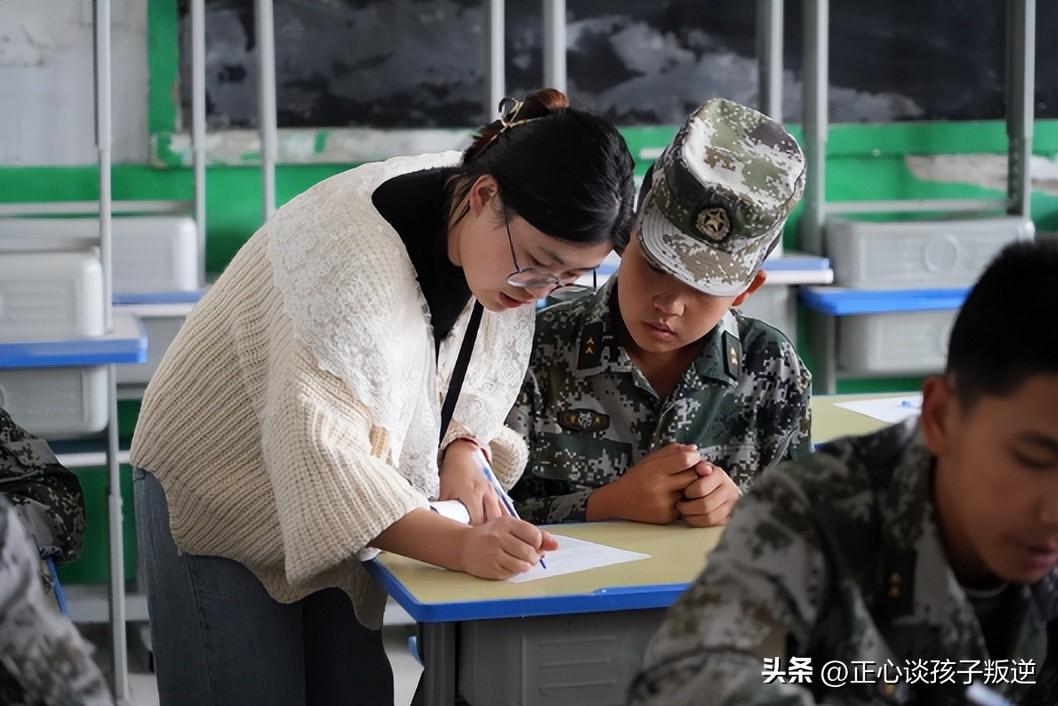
column 460, row 371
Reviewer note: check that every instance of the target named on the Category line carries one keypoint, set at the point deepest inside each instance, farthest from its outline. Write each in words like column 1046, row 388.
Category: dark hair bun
column 539, row 104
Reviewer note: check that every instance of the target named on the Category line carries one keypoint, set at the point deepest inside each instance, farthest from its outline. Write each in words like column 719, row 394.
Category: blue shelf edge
column 837, row 301
column 127, row 345
column 128, row 299
column 600, row 601
column 797, row 263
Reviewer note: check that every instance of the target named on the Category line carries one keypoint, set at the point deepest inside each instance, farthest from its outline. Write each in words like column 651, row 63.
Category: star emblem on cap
column 713, row 223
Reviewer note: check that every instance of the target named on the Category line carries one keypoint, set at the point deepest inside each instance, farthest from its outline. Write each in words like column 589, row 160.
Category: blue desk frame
column 189, row 297
column 826, row 304
column 796, row 262
column 603, row 600
column 127, row 344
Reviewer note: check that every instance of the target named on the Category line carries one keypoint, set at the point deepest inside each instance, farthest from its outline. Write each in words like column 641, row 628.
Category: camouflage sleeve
column 541, row 500
column 520, row 419
column 800, row 446
column 45, row 494
column 38, row 522
column 786, row 427
column 538, row 503
column 537, row 499
column 42, row 657
column 758, row 597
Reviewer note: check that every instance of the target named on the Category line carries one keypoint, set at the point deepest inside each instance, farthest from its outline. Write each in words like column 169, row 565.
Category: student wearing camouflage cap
column 916, row 565
column 655, row 398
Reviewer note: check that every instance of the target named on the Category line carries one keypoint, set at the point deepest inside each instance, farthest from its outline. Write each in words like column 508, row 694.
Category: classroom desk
column 830, row 421
column 450, row 604
column 456, row 610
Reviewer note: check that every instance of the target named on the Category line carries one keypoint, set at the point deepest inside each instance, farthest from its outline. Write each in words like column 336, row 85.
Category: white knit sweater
column 296, row 414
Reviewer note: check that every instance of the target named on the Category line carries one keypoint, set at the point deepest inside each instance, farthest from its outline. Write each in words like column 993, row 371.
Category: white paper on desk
column 886, row 409
column 575, row 555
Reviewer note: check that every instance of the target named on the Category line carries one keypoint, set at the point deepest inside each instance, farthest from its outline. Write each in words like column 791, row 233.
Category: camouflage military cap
column 719, row 196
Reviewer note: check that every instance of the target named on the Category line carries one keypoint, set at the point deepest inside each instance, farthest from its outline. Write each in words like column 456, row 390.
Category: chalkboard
column 417, row 63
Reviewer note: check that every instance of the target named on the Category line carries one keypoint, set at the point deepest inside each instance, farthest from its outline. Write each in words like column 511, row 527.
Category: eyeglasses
column 530, row 278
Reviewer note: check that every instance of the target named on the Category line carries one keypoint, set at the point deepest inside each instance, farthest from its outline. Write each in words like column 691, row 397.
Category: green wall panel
column 92, row 565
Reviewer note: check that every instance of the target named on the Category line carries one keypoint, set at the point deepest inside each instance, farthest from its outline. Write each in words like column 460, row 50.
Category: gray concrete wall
column 47, row 103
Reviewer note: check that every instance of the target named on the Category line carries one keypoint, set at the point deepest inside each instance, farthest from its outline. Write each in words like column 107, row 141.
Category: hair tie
column 509, row 109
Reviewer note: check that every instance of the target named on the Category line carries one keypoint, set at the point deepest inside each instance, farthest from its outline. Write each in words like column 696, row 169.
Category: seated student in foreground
column 934, row 539
column 654, row 398
column 43, row 659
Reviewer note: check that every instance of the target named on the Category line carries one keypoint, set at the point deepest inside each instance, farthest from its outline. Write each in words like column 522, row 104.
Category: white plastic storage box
column 558, row 660
column 161, row 322
column 904, row 342
column 918, row 254
column 155, row 254
column 50, row 295
column 774, row 304
column 56, row 402
column 150, row 253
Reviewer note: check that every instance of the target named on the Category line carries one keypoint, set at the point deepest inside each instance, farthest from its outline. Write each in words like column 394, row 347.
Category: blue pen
column 504, row 498
column 911, row 404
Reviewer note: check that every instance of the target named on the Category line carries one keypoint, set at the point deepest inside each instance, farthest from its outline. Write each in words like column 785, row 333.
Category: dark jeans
column 219, row 639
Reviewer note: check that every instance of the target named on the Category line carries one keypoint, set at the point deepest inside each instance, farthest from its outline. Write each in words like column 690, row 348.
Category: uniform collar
column 598, row 342
column 721, row 356
column 599, row 347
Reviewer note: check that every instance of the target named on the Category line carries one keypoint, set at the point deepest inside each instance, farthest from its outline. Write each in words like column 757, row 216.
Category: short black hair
column 1007, row 330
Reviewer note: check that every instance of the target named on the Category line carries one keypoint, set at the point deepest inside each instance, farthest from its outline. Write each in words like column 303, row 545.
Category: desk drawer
column 560, row 660
column 56, row 402
column 892, row 343
column 161, row 330
column 47, row 296
column 155, row 254
column 912, row 254
column 150, row 253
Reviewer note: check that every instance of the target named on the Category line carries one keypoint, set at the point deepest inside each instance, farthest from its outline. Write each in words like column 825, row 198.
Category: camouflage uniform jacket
column 47, row 496
column 587, row 412
column 42, row 658
column 839, row 558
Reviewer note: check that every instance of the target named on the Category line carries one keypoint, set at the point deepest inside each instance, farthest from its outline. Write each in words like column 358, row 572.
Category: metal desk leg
column 822, row 341
column 439, row 664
